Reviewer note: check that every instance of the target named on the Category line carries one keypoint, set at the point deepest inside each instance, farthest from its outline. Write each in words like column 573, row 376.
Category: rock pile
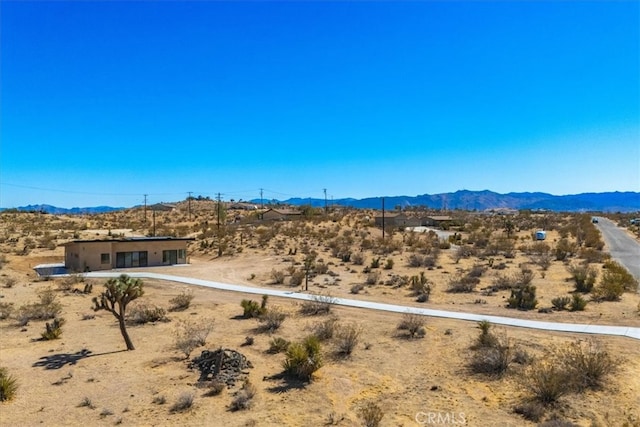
column 222, row 365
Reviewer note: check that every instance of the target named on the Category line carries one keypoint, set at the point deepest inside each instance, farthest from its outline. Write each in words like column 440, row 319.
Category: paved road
column 498, row 320
column 623, row 248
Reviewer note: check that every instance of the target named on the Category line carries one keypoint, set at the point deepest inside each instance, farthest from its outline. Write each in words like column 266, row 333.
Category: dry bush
column 547, row 381
column 531, row 410
column 583, row 276
column 272, row 319
column 615, row 280
column 140, row 314
column 319, row 304
column 297, row 277
column 372, row 278
column 181, row 302
column 413, row 325
column 523, row 298
column 277, row 276
column 184, row 403
column 326, row 329
column 9, row 282
column 492, row 360
column 190, row 335
column 356, row 288
column 46, row 308
column 560, row 303
column 588, row 363
column 462, row 284
column 244, row 397
column 371, row 415
column 578, row 303
column 347, row 337
column 215, row 387
column 6, row 309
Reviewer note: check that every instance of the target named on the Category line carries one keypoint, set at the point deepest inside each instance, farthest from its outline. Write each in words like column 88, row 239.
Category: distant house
column 243, row 206
column 162, row 207
column 280, row 214
column 437, row 221
column 91, row 255
column 397, row 220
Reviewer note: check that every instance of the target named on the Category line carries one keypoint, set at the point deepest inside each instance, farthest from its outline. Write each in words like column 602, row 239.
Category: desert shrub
column 560, row 303
column 190, row 335
column 523, row 298
column 272, row 319
column 278, row 345
column 326, row 329
column 252, row 308
column 371, row 415
column 6, row 309
column 358, row 258
column 372, row 277
column 319, row 304
column 277, row 276
column 591, row 255
column 375, row 263
column 416, row 260
column 588, row 364
column 476, row 271
column 244, row 397
column 464, row 251
column 53, row 330
column 530, row 410
column 486, row 338
column 140, row 314
column 493, row 360
column 564, row 249
column 215, row 387
column 389, row 264
column 615, row 280
column 556, row 422
column 543, row 261
column 355, row 289
column 503, row 281
column 184, row 403
column 578, row 303
column 303, row 358
column 462, row 284
column 297, row 277
column 181, row 302
column 583, row 276
column 47, row 308
column 524, row 276
column 159, row 400
column 521, row 357
column 9, row 282
column 347, row 337
column 86, row 403
column 8, row 385
column 413, row 325
column 547, row 381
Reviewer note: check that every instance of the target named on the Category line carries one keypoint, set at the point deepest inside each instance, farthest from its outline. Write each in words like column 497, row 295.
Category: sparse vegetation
column 244, row 397
column 53, row 330
column 184, row 403
column 412, row 325
column 303, row 358
column 190, row 335
column 181, row 302
column 371, row 414
column 318, row 305
column 8, row 385
column 272, row 319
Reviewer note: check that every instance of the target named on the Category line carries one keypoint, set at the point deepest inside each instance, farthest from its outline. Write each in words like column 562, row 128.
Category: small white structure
column 541, row 235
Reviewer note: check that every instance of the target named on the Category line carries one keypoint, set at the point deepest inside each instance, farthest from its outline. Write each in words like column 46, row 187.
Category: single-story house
column 162, row 207
column 91, row 255
column 280, row 214
column 397, row 220
column 243, row 206
column 436, row 220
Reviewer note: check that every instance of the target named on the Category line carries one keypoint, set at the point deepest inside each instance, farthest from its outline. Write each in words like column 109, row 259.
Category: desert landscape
column 358, row 366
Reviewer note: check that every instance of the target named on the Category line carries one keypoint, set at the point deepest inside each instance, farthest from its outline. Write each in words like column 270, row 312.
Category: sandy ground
column 404, row 377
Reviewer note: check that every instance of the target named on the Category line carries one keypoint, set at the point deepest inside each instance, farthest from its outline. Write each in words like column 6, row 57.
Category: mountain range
column 463, row 199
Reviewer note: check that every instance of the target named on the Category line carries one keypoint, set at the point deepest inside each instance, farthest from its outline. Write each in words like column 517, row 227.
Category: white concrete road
column 625, row 331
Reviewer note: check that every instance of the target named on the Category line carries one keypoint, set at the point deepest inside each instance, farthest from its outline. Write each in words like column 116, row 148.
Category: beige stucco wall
column 82, row 256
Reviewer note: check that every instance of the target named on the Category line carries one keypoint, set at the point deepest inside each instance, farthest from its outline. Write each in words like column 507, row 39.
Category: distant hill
column 64, row 211
column 464, row 199
column 482, row 200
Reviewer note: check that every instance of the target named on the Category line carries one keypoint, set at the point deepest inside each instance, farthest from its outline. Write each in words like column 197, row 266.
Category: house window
column 182, row 254
column 105, row 258
column 170, row 257
column 131, row 259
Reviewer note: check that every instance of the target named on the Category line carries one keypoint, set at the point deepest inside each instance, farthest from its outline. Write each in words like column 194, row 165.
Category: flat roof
column 134, row 239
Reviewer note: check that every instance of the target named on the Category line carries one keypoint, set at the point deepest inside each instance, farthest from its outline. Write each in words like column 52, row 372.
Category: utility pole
column 218, row 198
column 145, row 209
column 325, row 201
column 154, row 222
column 189, row 199
column 261, row 202
column 383, row 218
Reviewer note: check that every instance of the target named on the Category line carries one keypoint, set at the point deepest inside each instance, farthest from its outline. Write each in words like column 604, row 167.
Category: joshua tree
column 117, row 295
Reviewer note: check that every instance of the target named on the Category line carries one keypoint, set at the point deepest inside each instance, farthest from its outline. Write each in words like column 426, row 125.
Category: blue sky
column 103, row 102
